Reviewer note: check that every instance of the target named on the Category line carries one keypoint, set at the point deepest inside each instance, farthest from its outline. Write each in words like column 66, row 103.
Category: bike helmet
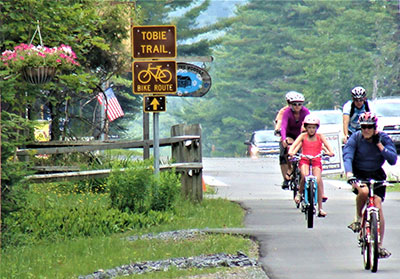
column 290, row 95
column 311, row 119
column 368, row 118
column 358, row 92
column 296, row 97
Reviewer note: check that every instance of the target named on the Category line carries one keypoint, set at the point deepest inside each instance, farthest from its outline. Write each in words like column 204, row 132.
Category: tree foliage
column 319, row 48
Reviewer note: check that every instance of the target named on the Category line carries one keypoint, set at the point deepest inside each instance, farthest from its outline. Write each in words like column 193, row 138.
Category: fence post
column 189, row 151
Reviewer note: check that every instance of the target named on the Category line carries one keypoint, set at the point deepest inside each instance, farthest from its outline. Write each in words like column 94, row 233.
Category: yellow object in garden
column 42, row 130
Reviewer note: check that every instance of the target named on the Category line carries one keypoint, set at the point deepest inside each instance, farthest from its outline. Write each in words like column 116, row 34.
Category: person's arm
column 346, row 121
column 284, row 125
column 349, row 154
column 297, row 144
column 278, row 119
column 326, row 146
column 387, row 148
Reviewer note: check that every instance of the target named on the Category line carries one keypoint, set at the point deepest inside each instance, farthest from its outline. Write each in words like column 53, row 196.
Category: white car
column 388, row 112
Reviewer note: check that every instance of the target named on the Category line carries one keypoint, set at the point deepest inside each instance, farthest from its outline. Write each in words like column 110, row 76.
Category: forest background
column 261, row 50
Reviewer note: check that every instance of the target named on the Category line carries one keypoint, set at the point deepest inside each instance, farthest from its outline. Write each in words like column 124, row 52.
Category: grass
column 70, row 258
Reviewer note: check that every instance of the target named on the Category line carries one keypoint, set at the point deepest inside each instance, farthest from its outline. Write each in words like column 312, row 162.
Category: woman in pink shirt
column 291, row 126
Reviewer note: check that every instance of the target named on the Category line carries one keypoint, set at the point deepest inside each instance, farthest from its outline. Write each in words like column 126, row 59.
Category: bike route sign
column 154, row 77
column 154, row 42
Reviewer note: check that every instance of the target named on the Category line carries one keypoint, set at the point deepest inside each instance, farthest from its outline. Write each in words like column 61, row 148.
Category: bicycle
column 294, row 180
column 369, row 236
column 164, row 76
column 310, row 194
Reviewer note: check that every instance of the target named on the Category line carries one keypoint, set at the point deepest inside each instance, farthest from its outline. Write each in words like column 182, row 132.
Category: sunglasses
column 297, row 104
column 358, row 100
column 367, row 127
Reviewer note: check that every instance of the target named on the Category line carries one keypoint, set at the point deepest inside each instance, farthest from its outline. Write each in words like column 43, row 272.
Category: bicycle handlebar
column 369, row 182
column 298, row 156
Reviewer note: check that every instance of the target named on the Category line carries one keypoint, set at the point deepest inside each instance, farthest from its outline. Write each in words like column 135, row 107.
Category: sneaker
column 285, row 185
column 383, row 253
column 355, row 226
column 324, row 199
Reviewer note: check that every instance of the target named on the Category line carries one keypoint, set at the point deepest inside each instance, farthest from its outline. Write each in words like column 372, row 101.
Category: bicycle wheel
column 296, row 182
column 144, row 76
column 374, row 241
column 310, row 209
column 165, row 76
column 365, row 247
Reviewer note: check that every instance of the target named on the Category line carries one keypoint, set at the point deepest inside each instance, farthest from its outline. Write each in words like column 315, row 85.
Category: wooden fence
column 186, row 153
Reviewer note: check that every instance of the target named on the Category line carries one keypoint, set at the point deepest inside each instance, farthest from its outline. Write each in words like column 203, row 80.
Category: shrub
column 54, row 216
column 138, row 190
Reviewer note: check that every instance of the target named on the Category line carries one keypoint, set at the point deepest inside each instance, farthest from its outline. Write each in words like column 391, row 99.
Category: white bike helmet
column 297, row 97
column 358, row 92
column 290, row 95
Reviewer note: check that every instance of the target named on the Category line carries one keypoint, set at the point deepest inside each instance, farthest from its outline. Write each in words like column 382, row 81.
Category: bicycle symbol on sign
column 164, row 76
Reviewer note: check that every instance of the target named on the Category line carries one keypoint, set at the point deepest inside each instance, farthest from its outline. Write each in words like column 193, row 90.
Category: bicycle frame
column 295, row 176
column 370, row 235
column 310, row 192
column 371, row 208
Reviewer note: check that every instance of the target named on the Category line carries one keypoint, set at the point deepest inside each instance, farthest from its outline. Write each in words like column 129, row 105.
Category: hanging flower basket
column 38, row 64
column 38, row 75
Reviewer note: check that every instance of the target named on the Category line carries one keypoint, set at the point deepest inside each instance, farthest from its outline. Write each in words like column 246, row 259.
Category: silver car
column 388, row 112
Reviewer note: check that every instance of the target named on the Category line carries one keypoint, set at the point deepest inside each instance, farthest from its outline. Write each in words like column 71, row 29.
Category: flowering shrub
column 29, row 56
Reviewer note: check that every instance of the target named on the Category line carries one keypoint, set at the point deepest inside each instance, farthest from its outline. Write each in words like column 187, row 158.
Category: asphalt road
column 288, row 248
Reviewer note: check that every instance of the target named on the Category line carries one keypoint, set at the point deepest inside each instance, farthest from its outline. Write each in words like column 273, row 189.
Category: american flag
column 111, row 106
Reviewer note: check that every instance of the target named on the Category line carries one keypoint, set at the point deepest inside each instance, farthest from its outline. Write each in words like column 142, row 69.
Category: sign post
column 152, row 76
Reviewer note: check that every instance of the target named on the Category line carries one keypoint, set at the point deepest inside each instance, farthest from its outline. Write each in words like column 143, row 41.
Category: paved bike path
column 288, row 248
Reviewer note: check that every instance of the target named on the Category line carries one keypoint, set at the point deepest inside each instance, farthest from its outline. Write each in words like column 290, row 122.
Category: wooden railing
column 185, row 142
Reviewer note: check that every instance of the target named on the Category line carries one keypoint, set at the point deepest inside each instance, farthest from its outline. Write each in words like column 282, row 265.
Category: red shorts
column 315, row 162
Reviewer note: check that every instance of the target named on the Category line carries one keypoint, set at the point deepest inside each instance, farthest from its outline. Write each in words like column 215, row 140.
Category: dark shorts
column 282, row 154
column 376, row 175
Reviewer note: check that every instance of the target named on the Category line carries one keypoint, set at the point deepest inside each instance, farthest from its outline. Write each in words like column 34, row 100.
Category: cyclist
column 352, row 111
column 312, row 144
column 291, row 126
column 363, row 157
column 278, row 121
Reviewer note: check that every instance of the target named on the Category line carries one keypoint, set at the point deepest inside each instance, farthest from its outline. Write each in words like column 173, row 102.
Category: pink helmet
column 368, row 118
column 311, row 119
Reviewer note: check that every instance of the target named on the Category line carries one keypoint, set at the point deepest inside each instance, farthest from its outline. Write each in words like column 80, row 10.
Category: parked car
column 331, row 121
column 261, row 143
column 388, row 112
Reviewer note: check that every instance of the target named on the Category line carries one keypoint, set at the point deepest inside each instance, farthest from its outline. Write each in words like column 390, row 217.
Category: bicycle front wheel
column 365, row 247
column 310, row 209
column 165, row 76
column 144, row 76
column 374, row 241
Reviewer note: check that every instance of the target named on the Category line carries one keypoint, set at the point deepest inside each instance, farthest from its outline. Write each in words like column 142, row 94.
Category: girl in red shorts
column 312, row 144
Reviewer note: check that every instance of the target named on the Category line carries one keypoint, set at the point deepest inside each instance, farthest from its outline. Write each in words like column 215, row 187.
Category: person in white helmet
column 291, row 127
column 283, row 163
column 352, row 111
column 311, row 143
